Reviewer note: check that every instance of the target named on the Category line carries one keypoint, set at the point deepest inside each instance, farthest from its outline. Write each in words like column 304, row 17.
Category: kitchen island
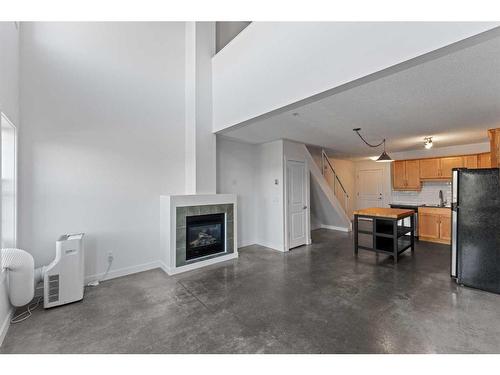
column 381, row 230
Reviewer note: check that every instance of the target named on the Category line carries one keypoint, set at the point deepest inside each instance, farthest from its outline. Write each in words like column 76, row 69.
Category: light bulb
column 428, row 142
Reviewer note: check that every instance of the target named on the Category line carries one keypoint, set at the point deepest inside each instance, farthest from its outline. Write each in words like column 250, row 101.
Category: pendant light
column 384, row 157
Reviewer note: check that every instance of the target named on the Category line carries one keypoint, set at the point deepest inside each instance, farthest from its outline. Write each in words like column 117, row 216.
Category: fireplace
column 205, row 235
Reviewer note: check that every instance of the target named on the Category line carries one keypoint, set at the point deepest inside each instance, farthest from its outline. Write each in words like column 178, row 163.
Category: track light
column 428, row 142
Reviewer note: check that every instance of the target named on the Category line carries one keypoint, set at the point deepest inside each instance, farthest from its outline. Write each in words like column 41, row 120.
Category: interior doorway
column 297, row 206
column 370, row 188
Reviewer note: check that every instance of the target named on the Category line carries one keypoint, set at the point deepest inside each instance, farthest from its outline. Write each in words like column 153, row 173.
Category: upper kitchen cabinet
column 413, row 175
column 470, row 161
column 399, row 175
column 447, row 164
column 406, row 175
column 494, row 135
column 439, row 168
column 430, row 168
column 484, row 160
column 409, row 174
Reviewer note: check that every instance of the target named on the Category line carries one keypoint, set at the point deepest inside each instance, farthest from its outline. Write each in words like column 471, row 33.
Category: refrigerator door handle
column 454, row 243
column 454, row 222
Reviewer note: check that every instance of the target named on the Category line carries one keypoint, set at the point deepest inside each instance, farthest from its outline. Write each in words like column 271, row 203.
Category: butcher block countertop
column 393, row 213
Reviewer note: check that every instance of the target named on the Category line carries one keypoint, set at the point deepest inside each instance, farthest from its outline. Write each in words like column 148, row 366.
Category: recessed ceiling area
column 454, row 98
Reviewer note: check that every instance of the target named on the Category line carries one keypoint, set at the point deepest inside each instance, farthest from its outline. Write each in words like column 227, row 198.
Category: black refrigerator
column 475, row 244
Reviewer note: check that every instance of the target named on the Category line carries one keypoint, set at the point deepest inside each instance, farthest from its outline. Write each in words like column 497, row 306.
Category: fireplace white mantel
column 173, row 211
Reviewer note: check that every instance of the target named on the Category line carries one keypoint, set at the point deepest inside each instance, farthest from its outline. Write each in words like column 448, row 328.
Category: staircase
column 330, row 201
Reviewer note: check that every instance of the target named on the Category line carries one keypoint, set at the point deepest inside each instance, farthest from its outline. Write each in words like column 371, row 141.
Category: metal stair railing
column 338, row 189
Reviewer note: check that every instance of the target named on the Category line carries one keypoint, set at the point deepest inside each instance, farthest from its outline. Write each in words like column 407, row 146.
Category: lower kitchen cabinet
column 445, row 228
column 434, row 224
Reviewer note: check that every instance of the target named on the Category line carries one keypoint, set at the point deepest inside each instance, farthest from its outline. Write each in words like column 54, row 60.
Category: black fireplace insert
column 205, row 235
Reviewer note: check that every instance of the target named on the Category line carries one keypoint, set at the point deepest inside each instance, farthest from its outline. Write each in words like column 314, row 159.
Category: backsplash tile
column 428, row 195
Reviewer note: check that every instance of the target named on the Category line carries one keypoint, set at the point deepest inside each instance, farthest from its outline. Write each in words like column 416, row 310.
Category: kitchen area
column 425, row 186
column 451, row 200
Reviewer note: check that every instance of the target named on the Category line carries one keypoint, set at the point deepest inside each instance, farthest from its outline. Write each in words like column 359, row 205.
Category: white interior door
column 297, row 207
column 370, row 188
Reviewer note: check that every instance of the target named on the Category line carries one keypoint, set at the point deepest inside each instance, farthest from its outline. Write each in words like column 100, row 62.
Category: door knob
column 305, row 207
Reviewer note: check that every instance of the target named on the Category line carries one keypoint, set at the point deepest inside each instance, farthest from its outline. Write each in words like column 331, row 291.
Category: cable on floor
column 31, row 307
column 26, row 314
column 97, row 282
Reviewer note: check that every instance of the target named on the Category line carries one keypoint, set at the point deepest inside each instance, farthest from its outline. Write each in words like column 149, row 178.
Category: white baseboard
column 112, row 274
column 203, row 263
column 272, row 246
column 6, row 324
column 332, row 227
column 246, row 243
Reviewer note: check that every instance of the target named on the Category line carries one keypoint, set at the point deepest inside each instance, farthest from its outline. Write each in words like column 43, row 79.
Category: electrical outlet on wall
column 110, row 257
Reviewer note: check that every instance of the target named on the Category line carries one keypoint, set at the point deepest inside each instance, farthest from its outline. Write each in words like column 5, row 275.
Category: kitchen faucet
column 441, row 200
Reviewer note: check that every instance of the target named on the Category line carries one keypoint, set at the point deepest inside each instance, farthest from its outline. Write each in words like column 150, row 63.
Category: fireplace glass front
column 205, row 235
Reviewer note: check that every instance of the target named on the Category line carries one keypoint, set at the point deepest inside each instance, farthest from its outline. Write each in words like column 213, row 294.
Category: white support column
column 200, row 140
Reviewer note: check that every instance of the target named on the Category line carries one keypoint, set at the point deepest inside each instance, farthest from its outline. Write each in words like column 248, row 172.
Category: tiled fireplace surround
column 175, row 209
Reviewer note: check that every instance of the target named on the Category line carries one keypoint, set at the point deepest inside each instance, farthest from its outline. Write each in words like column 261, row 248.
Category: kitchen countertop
column 393, row 213
column 408, row 206
column 415, row 206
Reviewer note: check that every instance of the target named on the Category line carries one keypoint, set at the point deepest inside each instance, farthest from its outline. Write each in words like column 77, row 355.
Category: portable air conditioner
column 63, row 279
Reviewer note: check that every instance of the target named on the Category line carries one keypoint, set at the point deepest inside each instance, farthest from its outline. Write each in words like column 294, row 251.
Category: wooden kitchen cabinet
column 428, row 226
column 429, row 168
column 399, row 175
column 406, row 175
column 484, row 160
column 470, row 161
column 494, row 135
column 445, row 228
column 409, row 174
column 413, row 175
column 439, row 168
column 434, row 224
column 447, row 164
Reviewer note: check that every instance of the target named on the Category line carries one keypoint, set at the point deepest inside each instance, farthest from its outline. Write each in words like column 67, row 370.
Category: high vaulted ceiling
column 454, row 98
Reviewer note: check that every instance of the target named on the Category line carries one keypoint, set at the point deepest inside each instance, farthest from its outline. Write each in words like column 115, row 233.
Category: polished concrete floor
column 314, row 299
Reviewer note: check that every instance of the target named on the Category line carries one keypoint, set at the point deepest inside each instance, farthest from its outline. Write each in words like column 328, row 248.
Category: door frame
column 308, row 201
column 386, row 180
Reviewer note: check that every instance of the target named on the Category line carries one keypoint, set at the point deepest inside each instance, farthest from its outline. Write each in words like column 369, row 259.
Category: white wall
column 200, row 141
column 9, row 92
column 237, row 173
column 227, row 31
column 102, row 137
column 274, row 64
column 270, row 214
column 256, row 174
column 475, row 148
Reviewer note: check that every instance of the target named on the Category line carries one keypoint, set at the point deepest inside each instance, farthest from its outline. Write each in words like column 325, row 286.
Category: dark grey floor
column 314, row 299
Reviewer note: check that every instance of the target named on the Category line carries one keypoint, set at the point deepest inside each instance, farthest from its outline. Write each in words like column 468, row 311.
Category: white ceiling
column 454, row 98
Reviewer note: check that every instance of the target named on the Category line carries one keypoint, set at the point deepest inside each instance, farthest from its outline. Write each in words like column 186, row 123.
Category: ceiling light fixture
column 384, row 158
column 428, row 142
